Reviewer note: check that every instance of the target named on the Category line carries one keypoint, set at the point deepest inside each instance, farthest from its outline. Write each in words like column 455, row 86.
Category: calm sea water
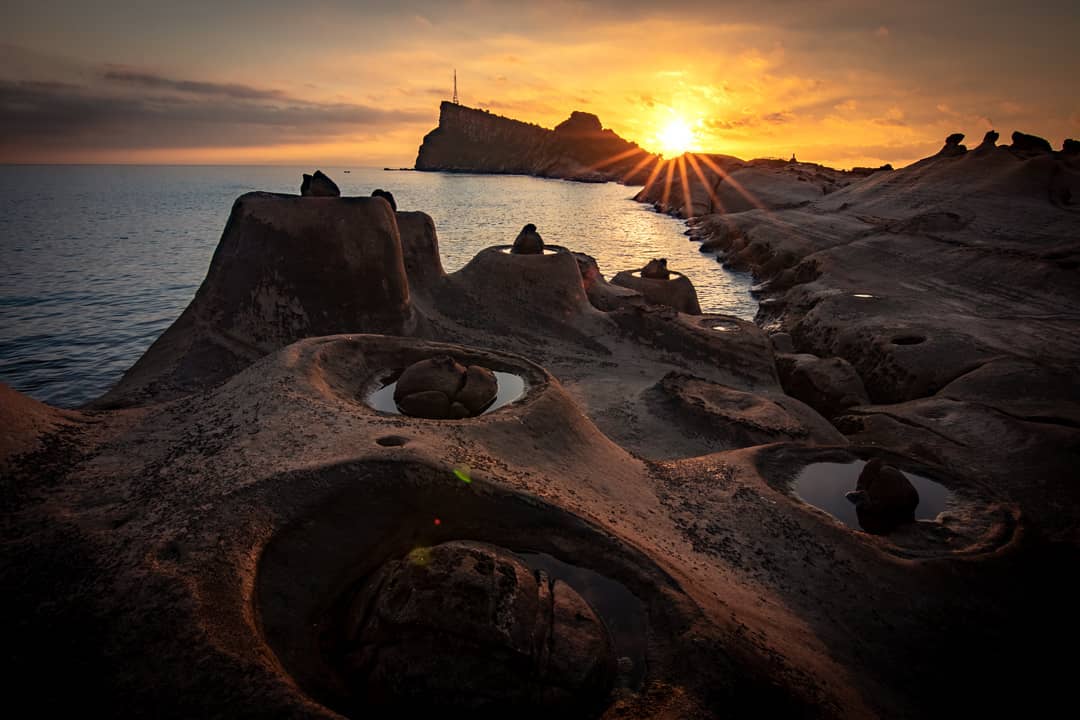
column 97, row 261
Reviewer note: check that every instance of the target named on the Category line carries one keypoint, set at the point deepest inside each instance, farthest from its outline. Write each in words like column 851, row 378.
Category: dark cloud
column 194, row 87
column 54, row 116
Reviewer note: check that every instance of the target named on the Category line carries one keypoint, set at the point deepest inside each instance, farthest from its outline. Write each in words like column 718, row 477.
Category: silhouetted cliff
column 470, row 140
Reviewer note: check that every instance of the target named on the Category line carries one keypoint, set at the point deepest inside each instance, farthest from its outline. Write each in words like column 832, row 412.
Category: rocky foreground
column 234, row 529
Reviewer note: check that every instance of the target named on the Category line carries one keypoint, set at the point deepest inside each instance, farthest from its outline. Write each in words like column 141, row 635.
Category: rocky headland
column 238, row 528
column 579, row 148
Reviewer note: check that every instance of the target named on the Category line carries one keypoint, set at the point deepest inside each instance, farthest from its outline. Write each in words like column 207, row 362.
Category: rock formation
column 468, row 625
column 952, row 146
column 387, row 196
column 470, row 140
column 528, row 242
column 661, row 286
column 656, row 270
column 318, row 185
column 989, row 141
column 441, row 388
column 1070, row 147
column 234, row 530
column 883, row 498
column 1023, row 142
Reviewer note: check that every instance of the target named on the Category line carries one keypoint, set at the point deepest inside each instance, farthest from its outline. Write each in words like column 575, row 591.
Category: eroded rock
column 468, row 625
column 440, row 388
column 528, row 241
column 1030, row 143
column 387, row 196
column 884, row 499
column 319, row 185
column 829, row 385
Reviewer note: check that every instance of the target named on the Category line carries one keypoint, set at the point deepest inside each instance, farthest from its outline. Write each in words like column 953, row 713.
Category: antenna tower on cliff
column 455, row 88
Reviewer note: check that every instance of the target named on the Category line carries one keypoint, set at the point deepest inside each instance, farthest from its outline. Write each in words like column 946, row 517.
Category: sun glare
column 675, row 138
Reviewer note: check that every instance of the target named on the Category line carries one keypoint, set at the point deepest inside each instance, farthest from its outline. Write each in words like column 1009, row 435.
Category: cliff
column 470, row 140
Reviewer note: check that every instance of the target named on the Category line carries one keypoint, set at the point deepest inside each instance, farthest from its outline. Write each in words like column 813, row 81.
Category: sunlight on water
column 97, row 261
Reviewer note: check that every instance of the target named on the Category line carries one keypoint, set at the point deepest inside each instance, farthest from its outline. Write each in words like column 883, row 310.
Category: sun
column 675, row 138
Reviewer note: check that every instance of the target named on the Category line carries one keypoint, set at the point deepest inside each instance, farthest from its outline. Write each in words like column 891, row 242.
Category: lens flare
column 675, row 138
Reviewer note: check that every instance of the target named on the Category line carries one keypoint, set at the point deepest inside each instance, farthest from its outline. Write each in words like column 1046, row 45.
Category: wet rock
column 884, row 499
column 952, row 146
column 319, row 185
column 1030, row 143
column 829, row 385
column 528, row 241
column 387, row 196
column 656, row 270
column 1070, row 147
column 467, row 625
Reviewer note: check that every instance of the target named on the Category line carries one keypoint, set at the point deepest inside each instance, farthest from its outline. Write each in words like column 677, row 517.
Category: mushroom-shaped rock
column 479, row 390
column 319, row 185
column 528, row 242
column 676, row 291
column 989, row 140
column 1030, row 143
column 953, row 146
column 884, row 498
column 469, row 626
column 656, row 270
column 387, row 196
column 420, row 250
column 1070, row 147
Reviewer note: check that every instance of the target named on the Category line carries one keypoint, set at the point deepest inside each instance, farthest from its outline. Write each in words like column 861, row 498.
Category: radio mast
column 455, row 88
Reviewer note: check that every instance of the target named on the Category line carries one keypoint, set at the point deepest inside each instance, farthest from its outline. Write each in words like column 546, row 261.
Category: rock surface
column 189, row 547
column 883, row 498
column 666, row 287
column 829, row 385
column 467, row 625
column 528, row 242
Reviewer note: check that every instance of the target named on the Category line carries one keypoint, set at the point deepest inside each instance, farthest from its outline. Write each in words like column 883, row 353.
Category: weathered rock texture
column 470, row 140
column 200, row 550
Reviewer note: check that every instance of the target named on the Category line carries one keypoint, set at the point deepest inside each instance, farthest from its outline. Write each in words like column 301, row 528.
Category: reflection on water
column 96, row 261
column 511, row 388
column 509, row 250
column 623, row 614
column 824, row 485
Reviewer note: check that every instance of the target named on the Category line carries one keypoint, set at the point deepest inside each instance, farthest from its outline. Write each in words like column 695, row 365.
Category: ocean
column 96, row 261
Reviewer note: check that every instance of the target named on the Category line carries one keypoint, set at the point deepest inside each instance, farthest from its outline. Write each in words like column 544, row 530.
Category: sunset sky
column 324, row 82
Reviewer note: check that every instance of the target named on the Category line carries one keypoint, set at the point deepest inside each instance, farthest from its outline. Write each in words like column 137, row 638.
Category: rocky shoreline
column 234, row 529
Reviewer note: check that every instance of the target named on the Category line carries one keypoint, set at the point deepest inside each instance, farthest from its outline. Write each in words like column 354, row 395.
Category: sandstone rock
column 425, row 403
column 883, row 498
column 829, row 385
column 989, row 140
column 1070, row 147
column 952, row 146
column 319, row 185
column 467, row 625
column 528, row 241
column 782, row 342
column 286, row 268
column 440, row 387
column 420, row 251
column 676, row 292
column 440, row 373
column 479, row 390
column 1030, row 143
column 387, row 196
column 656, row 270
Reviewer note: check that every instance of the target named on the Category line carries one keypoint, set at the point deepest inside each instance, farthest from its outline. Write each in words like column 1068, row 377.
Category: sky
column 335, row 83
